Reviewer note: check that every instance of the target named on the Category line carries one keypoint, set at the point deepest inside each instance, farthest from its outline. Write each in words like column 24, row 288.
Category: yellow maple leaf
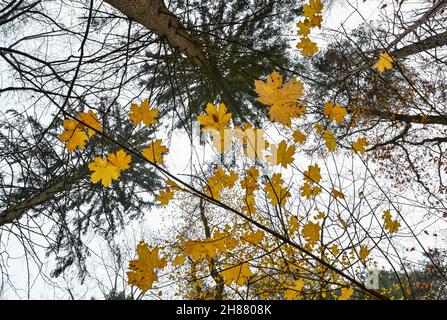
column 359, row 145
column 164, row 196
column 249, row 205
column 337, row 194
column 294, row 293
column 312, row 8
column 142, row 270
column 154, row 153
column 307, row 47
column 364, row 253
column 178, row 260
column 385, row 62
column 346, row 293
column 73, row 136
column 309, row 191
column 299, row 137
column 275, row 192
column 216, row 118
column 120, row 159
column 391, row 225
column 334, row 112
column 254, row 238
column 282, row 154
column 103, row 170
column 283, row 100
column 311, row 232
column 90, row 119
column 329, row 140
column 143, row 113
column 312, row 174
column 303, row 28
column 238, row 274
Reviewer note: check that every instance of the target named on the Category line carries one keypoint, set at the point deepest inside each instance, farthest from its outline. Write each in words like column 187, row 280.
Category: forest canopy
column 223, row 149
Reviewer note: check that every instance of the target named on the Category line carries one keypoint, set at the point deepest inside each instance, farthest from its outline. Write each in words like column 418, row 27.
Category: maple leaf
column 254, row 238
column 303, row 28
column 275, row 192
column 73, row 136
column 307, row 47
column 294, row 293
column 336, row 112
column 346, row 293
column 120, row 159
column 142, row 270
column 216, row 118
column 165, row 196
column 90, row 119
column 359, row 145
column 316, row 21
column 283, row 100
column 143, row 113
column 364, row 253
column 318, row 128
column 312, row 8
column 238, row 274
column 299, row 137
column 391, row 225
column 385, row 62
column 312, row 174
column 309, row 191
column 103, row 170
column 154, row 153
column 282, row 154
column 329, row 140
column 337, row 194
column 311, row 232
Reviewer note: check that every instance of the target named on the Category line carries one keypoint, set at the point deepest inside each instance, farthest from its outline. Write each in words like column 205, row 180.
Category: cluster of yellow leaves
column 143, row 113
column 250, row 185
column 310, row 191
column 311, row 232
column 238, row 274
column 219, row 180
column 313, row 18
column 385, row 62
column 391, row 225
column 283, row 100
column 275, row 191
column 311, row 176
column 142, row 271
column 294, row 293
column 154, row 153
column 219, row 242
column 76, row 133
column 281, row 154
column 108, row 169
